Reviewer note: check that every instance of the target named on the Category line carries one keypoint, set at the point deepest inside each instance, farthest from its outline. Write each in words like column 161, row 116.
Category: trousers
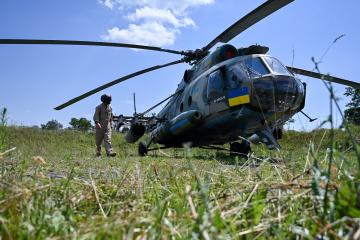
column 103, row 134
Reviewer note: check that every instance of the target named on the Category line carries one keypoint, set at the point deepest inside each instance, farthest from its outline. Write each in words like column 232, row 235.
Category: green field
column 303, row 191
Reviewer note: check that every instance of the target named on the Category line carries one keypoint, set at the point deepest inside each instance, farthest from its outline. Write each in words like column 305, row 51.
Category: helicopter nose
column 277, row 93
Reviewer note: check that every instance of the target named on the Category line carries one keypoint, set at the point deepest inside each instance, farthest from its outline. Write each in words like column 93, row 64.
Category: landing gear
column 142, row 148
column 240, row 149
column 277, row 133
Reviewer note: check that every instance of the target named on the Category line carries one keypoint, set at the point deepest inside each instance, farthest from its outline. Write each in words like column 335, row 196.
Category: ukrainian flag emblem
column 180, row 126
column 238, row 96
column 195, row 93
column 207, row 61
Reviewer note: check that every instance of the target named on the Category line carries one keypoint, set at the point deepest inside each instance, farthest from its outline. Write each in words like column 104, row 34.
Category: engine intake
column 136, row 131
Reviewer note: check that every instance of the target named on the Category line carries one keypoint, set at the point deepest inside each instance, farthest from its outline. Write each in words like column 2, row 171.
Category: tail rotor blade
column 74, row 100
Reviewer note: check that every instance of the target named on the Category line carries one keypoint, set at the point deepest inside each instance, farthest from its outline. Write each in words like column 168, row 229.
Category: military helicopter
column 228, row 95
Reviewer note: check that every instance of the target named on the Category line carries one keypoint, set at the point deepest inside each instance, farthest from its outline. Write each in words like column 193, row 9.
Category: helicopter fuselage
column 232, row 99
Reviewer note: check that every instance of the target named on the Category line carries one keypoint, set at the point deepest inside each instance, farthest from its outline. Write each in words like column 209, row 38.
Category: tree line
column 81, row 124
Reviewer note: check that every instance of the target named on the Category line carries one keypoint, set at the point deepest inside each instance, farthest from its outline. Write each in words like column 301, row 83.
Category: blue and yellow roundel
column 178, row 128
column 238, row 96
column 195, row 93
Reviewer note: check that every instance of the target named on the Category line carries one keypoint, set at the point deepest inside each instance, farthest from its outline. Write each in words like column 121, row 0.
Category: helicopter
column 228, row 94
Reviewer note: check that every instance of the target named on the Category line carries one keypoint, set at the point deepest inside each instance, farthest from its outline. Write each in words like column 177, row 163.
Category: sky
column 34, row 79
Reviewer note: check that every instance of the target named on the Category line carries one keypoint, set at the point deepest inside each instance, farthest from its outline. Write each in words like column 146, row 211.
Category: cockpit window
column 255, row 67
column 215, row 84
column 276, row 66
column 237, row 75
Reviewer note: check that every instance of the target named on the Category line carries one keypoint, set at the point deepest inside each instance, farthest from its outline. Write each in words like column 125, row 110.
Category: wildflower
column 26, row 193
column 39, row 159
column 41, row 175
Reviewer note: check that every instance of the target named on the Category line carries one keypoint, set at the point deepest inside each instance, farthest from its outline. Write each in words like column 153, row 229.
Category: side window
column 215, row 84
column 237, row 75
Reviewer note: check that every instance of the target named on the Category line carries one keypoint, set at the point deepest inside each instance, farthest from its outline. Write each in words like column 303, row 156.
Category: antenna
column 310, row 119
column 134, row 104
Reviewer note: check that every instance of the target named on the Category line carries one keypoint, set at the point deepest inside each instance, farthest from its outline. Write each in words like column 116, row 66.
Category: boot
column 112, row 154
column 98, row 151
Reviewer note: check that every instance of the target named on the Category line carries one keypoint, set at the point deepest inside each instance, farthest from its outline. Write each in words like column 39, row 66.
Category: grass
column 53, row 186
column 3, row 127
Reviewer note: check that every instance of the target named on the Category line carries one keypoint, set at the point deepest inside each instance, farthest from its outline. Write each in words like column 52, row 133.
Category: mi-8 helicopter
column 228, row 93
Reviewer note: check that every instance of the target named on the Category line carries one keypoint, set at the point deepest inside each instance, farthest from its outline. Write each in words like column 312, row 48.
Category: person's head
column 106, row 98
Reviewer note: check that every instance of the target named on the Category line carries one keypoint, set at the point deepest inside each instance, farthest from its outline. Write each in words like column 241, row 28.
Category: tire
column 277, row 133
column 142, row 148
column 235, row 149
column 239, row 149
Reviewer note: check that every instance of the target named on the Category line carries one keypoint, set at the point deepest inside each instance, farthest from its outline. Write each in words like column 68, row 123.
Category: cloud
column 178, row 5
column 152, row 22
column 150, row 33
column 163, row 16
column 107, row 3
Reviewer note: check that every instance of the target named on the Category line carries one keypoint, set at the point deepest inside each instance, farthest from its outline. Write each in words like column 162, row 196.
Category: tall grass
column 3, row 127
column 73, row 194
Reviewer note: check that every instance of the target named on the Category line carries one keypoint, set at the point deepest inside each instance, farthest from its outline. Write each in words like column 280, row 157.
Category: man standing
column 103, row 118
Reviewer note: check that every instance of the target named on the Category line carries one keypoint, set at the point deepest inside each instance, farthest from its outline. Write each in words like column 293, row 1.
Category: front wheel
column 142, row 148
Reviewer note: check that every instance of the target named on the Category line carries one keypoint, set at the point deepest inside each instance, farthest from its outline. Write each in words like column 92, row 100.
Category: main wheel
column 277, row 133
column 239, row 149
column 142, row 148
column 235, row 148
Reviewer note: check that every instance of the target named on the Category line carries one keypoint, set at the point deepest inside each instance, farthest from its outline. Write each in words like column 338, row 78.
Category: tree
column 52, row 125
column 352, row 114
column 81, row 124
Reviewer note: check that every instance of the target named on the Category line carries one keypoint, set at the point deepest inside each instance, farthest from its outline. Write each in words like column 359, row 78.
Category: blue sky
column 35, row 78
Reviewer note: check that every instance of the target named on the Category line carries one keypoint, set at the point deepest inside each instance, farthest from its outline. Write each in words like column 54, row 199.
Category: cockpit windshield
column 276, row 66
column 255, row 67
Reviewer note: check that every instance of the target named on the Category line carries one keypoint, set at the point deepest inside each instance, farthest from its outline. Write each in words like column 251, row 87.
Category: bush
column 81, row 124
column 52, row 125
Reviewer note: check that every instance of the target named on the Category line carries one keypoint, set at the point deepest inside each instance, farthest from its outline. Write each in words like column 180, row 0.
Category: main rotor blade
column 74, row 100
column 84, row 43
column 250, row 19
column 324, row 77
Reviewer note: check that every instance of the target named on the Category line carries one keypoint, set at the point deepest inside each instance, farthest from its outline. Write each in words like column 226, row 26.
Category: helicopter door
column 216, row 95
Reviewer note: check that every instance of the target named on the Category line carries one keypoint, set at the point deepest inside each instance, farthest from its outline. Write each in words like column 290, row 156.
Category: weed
column 3, row 128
